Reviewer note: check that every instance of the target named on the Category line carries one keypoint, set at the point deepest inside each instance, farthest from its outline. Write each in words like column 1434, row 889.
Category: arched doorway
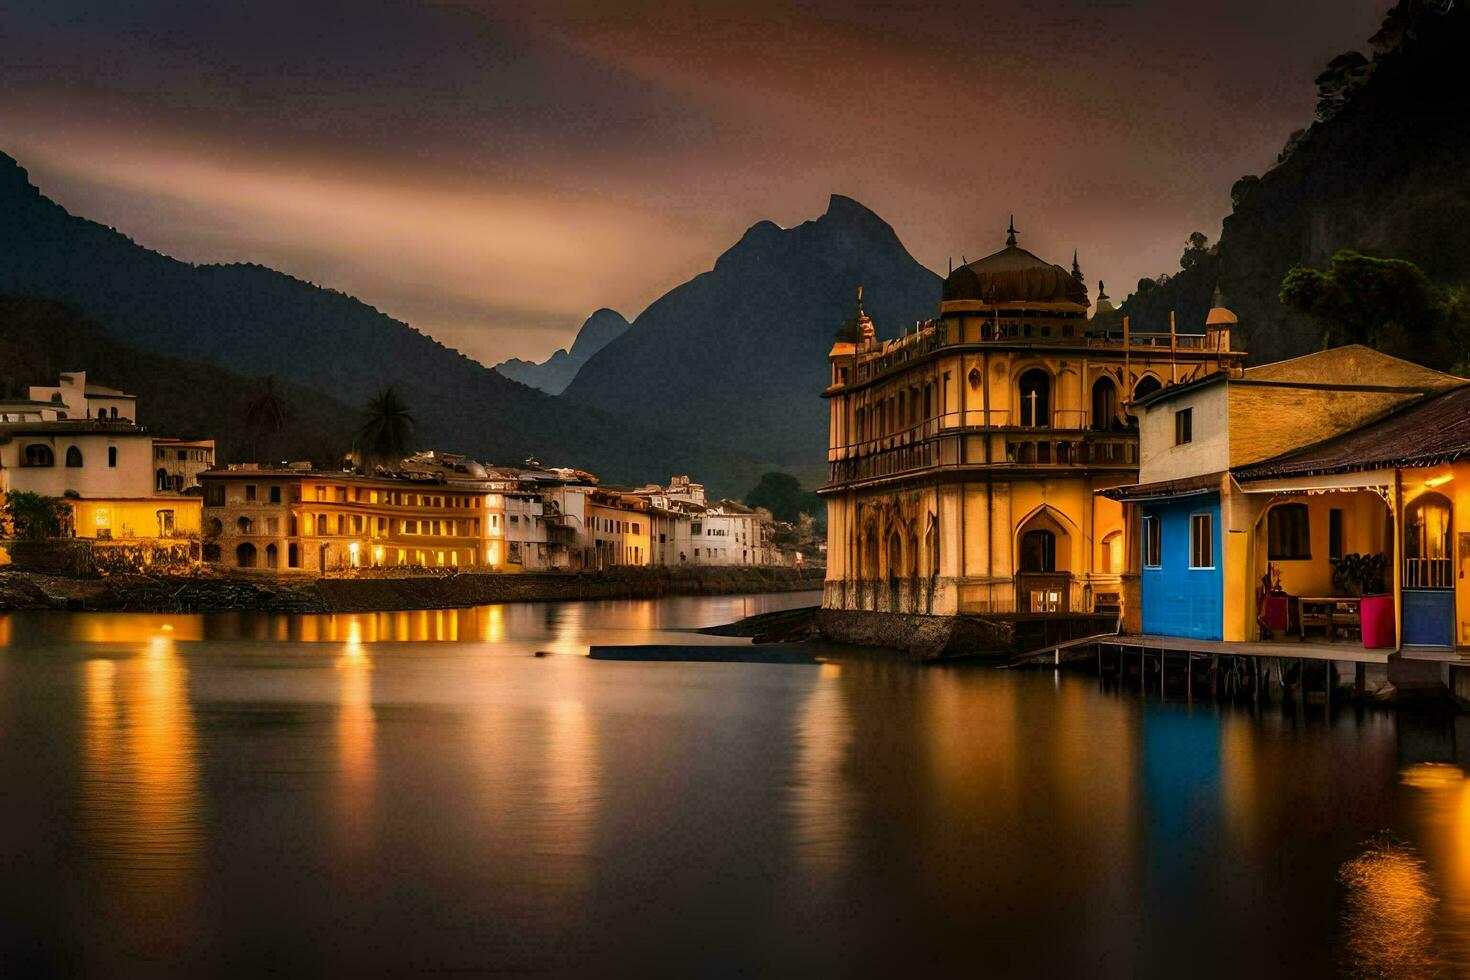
column 1104, row 404
column 1429, row 583
column 1043, row 562
column 895, row 555
column 270, row 556
column 245, row 555
column 1112, row 553
column 1033, row 390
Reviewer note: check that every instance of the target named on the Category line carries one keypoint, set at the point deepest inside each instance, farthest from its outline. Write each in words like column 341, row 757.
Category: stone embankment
column 208, row 591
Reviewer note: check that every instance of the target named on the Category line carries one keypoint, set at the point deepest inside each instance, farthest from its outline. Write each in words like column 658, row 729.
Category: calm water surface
column 417, row 792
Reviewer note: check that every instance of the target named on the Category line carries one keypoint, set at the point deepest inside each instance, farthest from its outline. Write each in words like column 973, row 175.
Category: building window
column 214, row 494
column 249, row 492
column 39, row 455
column 275, row 494
column 1201, row 541
column 1153, row 545
column 1034, row 390
column 1183, row 426
column 73, row 457
column 1288, row 533
column 112, row 456
column 165, row 523
column 1334, row 534
column 1038, row 551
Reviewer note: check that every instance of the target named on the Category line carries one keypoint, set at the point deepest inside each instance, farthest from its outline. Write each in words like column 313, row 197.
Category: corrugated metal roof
column 1434, row 429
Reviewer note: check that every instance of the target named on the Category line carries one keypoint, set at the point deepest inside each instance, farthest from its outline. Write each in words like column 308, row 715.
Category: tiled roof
column 1434, row 429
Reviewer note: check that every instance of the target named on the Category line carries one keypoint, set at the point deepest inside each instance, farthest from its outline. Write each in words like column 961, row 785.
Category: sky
column 494, row 172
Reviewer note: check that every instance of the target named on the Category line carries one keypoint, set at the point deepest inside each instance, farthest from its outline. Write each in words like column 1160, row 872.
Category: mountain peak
column 13, row 176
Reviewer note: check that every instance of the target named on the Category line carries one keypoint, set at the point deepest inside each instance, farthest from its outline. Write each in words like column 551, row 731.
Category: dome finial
column 1011, row 233
column 1076, row 269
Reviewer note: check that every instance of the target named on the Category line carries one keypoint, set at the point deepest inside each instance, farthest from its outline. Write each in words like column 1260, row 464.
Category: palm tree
column 387, row 429
column 264, row 416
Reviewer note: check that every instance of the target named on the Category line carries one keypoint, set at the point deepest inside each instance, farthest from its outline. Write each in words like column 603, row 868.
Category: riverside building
column 964, row 456
column 300, row 519
column 82, row 444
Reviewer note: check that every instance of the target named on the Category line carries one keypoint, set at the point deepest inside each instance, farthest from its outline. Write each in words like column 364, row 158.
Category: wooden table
column 1326, row 611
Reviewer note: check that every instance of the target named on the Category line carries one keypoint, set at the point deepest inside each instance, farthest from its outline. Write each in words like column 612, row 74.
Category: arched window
column 1427, row 528
column 245, row 555
column 161, row 480
column 73, row 457
column 1038, row 551
column 895, row 555
column 214, row 528
column 1104, row 405
column 1147, row 385
column 37, row 454
column 1034, row 391
column 270, row 556
column 974, row 377
column 245, row 525
column 1112, row 553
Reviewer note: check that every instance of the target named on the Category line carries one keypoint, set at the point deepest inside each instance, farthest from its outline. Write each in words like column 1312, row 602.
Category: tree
column 33, row 515
column 387, row 429
column 782, row 495
column 1387, row 304
column 1195, row 251
column 264, row 416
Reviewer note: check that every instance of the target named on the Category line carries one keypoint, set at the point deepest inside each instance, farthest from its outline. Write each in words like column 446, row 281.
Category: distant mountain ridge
column 740, row 352
column 255, row 321
column 557, row 371
column 1382, row 172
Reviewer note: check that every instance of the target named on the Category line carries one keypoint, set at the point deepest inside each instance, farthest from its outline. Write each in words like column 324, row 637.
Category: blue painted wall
column 1429, row 617
column 1179, row 600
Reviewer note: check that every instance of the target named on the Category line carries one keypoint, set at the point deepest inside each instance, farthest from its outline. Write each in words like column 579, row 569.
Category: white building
column 81, row 443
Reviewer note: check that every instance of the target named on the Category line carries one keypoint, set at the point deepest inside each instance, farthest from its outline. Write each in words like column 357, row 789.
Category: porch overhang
column 1194, row 486
column 1377, row 480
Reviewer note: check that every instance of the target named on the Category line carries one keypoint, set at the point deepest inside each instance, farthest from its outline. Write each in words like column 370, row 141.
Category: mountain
column 557, row 371
column 252, row 320
column 1382, row 171
column 41, row 338
column 740, row 352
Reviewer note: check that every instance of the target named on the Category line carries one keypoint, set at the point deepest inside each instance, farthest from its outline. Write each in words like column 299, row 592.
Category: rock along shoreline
column 211, row 592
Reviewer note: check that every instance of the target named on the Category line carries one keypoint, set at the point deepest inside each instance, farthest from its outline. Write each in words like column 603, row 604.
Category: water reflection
column 139, row 809
column 567, row 816
column 355, row 744
column 820, row 802
column 1389, row 919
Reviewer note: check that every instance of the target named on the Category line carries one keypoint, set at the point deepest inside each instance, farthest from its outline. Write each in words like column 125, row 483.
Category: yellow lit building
column 294, row 519
column 963, row 456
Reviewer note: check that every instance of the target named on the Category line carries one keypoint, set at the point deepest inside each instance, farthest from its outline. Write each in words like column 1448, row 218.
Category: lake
column 419, row 793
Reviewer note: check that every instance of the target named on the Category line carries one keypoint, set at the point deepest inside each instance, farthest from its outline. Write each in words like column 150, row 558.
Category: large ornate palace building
column 964, row 455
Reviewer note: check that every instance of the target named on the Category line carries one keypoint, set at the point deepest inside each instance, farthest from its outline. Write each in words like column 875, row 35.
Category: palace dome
column 1014, row 275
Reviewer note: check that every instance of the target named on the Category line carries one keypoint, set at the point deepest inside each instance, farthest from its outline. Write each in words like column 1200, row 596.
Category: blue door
column 1429, row 617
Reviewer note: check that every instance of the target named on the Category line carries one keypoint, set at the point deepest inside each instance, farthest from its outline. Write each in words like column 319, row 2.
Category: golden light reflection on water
column 356, row 745
column 571, row 784
column 1390, row 913
column 139, row 807
column 820, row 798
column 1441, row 794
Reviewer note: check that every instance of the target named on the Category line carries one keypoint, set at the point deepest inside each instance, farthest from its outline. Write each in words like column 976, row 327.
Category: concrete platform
column 1305, row 650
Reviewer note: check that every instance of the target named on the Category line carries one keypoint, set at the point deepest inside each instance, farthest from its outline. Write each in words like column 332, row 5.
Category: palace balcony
column 982, row 448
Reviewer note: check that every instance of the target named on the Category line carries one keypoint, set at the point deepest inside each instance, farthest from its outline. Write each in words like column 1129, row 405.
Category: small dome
column 1219, row 316
column 1014, row 275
